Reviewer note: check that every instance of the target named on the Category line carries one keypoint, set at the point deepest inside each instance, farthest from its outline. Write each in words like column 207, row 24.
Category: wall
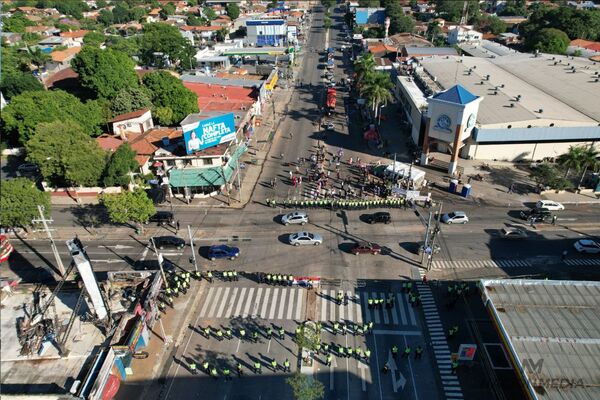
column 524, row 151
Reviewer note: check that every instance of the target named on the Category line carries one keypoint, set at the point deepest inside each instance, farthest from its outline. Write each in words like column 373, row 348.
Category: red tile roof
column 130, row 115
column 62, row 75
column 586, row 44
column 74, row 34
column 60, row 56
column 200, row 28
column 109, row 142
column 225, row 92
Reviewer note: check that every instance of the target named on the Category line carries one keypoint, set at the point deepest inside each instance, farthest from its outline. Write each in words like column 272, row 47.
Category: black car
column 152, row 265
column 536, row 215
column 174, row 242
column 163, row 218
column 379, row 217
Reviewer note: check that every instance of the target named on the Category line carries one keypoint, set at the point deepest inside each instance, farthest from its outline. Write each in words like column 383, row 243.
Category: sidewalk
column 143, row 383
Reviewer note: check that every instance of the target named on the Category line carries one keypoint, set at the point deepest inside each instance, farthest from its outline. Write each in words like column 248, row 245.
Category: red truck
column 331, row 99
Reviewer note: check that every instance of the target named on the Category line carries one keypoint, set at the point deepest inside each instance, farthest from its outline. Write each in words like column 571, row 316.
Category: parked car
column 28, row 169
column 379, row 217
column 536, row 215
column 549, row 205
column 174, row 242
column 455, row 217
column 223, row 251
column 587, row 246
column 365, row 247
column 152, row 265
column 330, row 126
column 163, row 218
column 296, row 217
column 301, row 238
column 513, row 233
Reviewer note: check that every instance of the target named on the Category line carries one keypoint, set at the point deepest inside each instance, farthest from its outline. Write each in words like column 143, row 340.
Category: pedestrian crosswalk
column 582, row 261
column 441, row 351
column 473, row 264
column 357, row 310
column 271, row 303
column 289, row 303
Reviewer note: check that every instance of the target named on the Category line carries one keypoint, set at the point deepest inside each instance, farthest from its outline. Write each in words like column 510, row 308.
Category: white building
column 137, row 121
column 461, row 34
column 515, row 107
column 267, row 32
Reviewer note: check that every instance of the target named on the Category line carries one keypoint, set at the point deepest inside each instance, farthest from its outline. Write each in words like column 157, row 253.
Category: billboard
column 209, row 132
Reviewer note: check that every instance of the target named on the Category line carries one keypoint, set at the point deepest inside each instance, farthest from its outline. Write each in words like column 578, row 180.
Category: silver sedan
column 301, row 238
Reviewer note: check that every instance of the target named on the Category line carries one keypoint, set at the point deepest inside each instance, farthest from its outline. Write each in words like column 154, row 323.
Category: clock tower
column 451, row 117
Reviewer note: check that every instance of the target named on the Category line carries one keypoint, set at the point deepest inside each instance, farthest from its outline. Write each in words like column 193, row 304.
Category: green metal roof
column 214, row 176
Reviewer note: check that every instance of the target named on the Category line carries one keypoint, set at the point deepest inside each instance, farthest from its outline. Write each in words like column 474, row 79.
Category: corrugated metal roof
column 553, row 332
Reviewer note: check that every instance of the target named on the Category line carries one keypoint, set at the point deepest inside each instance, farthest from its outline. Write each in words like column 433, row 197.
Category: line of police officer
column 340, row 203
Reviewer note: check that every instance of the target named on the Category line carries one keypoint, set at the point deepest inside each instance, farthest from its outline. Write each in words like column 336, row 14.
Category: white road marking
column 222, row 306
column 206, row 301
column 231, row 303
column 215, row 302
column 248, row 303
column 240, row 302
column 263, row 311
column 273, row 304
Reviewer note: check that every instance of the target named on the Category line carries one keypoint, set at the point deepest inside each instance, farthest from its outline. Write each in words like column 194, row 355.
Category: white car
column 295, row 218
column 549, row 205
column 455, row 217
column 587, row 246
column 301, row 238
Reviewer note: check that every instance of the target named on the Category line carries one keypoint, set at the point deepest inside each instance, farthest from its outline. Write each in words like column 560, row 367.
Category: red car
column 365, row 247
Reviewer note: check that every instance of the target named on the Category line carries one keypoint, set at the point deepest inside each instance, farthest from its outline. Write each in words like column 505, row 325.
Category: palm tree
column 590, row 160
column 377, row 89
column 364, row 66
column 38, row 57
column 573, row 159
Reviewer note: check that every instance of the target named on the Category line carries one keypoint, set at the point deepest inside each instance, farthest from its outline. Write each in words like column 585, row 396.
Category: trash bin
column 453, row 186
column 466, row 191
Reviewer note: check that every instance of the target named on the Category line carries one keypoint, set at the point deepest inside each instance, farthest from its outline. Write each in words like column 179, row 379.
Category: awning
column 214, row 176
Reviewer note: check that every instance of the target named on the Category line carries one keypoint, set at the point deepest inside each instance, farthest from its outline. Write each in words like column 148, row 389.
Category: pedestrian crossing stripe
column 582, row 261
column 286, row 303
column 452, row 389
column 472, row 264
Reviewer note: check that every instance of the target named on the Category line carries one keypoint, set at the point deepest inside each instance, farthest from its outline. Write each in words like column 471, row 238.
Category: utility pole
column 160, row 263
column 44, row 221
column 192, row 247
column 426, row 244
column 434, row 234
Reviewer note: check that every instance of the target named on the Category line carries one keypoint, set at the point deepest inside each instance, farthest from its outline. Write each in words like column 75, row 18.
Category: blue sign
column 209, row 132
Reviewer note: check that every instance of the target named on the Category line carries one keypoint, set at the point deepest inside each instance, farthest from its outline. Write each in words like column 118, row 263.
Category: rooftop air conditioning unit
column 512, row 105
column 541, row 110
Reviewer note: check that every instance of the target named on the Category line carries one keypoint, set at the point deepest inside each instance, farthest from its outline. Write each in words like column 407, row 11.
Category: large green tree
column 104, row 71
column 19, row 199
column 209, row 13
column 452, row 9
column 377, row 89
column 121, row 163
column 582, row 24
column 398, row 21
column 305, row 387
column 27, row 110
column 514, row 7
column 490, row 23
column 129, row 207
column 168, row 92
column 130, row 99
column 129, row 46
column 66, row 154
column 233, row 11
column 549, row 40
column 165, row 39
column 94, row 39
column 13, row 85
column 16, row 23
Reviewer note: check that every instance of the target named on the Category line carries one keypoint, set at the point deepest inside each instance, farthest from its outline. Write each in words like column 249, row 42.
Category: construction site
column 77, row 338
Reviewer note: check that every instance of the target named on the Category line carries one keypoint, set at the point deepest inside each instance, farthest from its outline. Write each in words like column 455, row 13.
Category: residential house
column 137, row 121
column 50, row 42
column 74, row 38
column 409, row 40
column 43, row 30
column 223, row 21
column 62, row 58
column 586, row 48
column 369, row 16
column 199, row 33
column 461, row 34
column 583, row 5
column 10, row 38
column 153, row 16
column 414, row 52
